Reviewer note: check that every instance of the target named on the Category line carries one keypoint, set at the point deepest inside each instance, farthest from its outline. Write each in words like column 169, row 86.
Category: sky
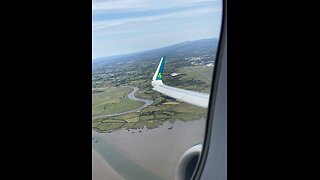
column 126, row 26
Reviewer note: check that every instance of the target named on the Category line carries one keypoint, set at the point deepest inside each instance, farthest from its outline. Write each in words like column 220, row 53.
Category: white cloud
column 118, row 4
column 103, row 5
column 99, row 25
column 195, row 19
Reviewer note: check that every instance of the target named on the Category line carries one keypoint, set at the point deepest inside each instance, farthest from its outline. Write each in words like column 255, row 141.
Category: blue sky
column 126, row 26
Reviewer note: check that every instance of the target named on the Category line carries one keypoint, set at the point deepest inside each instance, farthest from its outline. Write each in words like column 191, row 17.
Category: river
column 147, row 102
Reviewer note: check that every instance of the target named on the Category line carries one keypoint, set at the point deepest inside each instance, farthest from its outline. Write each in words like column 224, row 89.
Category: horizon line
column 152, row 48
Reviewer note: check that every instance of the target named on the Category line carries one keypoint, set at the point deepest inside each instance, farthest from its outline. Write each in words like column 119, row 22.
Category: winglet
column 157, row 77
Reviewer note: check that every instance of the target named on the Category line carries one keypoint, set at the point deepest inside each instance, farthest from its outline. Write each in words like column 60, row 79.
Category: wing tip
column 159, row 72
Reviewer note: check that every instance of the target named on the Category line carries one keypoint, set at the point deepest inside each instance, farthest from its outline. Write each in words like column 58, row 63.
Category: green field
column 113, row 100
column 200, row 73
column 150, row 117
column 112, row 85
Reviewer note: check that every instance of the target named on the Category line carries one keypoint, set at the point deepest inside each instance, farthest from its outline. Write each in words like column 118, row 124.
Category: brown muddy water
column 145, row 153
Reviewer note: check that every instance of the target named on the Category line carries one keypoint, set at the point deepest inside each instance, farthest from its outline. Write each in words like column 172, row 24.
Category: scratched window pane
column 152, row 66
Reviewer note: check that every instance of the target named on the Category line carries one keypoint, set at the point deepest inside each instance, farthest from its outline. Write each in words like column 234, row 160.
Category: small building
column 210, row 64
column 174, row 74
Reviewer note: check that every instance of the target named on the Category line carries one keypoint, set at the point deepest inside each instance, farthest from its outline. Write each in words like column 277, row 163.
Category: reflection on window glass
column 152, row 65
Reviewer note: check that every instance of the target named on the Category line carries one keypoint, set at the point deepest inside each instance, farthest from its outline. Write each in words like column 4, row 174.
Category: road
column 131, row 96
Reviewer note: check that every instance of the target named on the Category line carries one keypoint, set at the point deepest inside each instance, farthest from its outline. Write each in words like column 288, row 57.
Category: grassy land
column 112, row 85
column 202, row 73
column 151, row 117
column 113, row 100
column 196, row 78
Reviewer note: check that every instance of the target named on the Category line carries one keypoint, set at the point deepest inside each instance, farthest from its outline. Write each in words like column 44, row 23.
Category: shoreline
column 144, row 148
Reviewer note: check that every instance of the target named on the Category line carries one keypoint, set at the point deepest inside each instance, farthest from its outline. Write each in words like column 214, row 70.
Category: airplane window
column 152, row 66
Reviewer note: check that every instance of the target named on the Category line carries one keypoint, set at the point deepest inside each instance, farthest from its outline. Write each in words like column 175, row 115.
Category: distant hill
column 189, row 48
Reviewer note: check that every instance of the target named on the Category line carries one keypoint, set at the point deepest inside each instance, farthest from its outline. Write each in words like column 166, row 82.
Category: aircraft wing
column 191, row 97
